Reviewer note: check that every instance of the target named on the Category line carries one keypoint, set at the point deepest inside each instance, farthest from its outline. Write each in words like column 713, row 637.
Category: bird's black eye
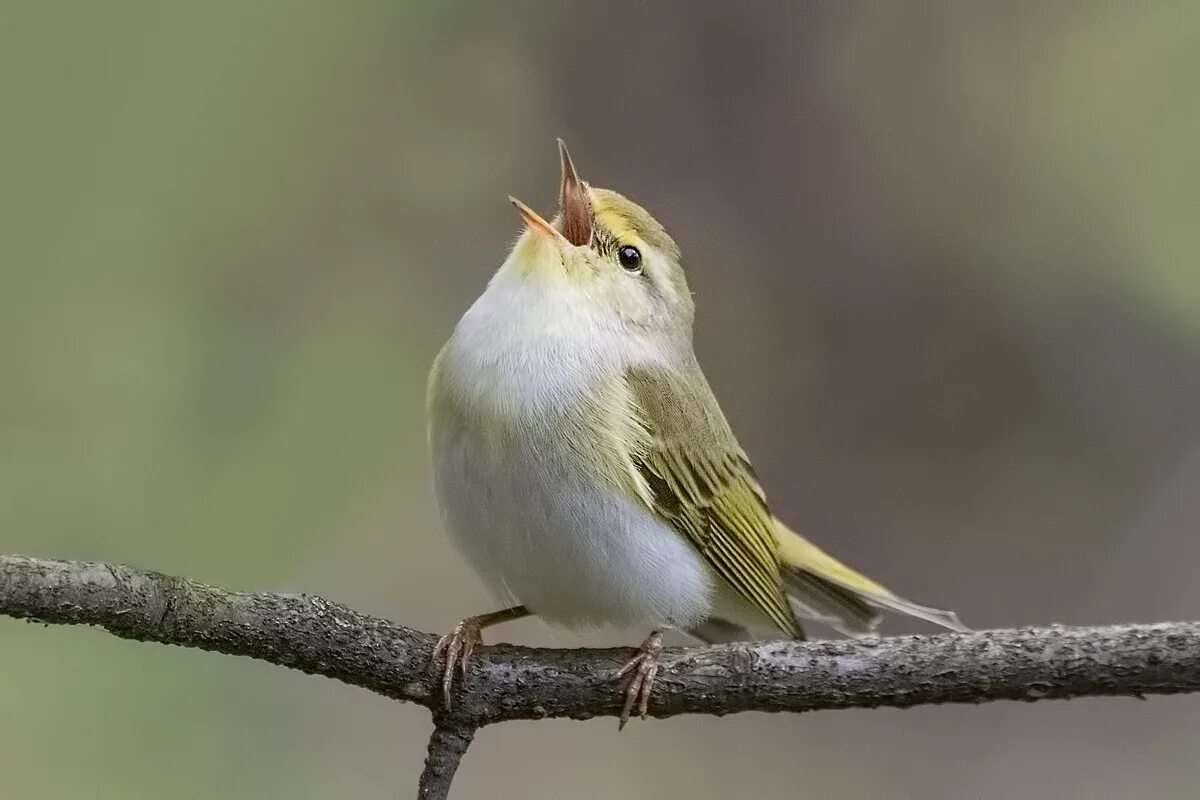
column 630, row 258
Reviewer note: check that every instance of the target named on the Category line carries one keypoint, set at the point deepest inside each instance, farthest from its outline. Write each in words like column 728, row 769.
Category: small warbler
column 584, row 467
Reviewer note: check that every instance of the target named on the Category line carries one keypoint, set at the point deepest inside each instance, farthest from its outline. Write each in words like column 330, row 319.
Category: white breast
column 518, row 500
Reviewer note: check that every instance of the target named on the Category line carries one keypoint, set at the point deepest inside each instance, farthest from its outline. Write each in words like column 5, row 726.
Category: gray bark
column 509, row 683
column 447, row 745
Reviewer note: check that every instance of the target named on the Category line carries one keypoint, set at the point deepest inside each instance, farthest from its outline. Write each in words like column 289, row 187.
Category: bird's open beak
column 574, row 202
column 574, row 223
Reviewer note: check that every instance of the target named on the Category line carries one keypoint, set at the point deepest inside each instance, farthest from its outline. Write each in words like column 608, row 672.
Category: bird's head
column 606, row 253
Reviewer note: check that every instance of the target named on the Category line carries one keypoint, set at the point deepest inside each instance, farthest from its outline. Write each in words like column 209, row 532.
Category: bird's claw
column 642, row 670
column 456, row 648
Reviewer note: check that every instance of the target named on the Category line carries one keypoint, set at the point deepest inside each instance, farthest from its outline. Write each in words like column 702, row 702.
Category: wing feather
column 687, row 466
column 699, row 480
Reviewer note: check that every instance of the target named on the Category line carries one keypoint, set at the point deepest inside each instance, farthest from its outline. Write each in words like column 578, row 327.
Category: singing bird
column 585, row 469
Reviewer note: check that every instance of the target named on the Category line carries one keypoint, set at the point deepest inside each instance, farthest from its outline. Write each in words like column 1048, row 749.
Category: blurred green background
column 945, row 262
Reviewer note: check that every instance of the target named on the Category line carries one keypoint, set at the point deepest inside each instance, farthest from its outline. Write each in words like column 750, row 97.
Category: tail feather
column 938, row 616
column 827, row 591
column 816, row 599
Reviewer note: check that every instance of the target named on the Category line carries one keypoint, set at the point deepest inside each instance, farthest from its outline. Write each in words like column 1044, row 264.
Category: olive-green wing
column 700, row 481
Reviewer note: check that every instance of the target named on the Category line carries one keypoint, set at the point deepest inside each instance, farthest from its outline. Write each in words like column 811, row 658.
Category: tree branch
column 447, row 746
column 507, row 683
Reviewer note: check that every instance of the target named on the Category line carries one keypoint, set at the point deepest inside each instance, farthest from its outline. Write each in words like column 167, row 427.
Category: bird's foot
column 641, row 671
column 456, row 648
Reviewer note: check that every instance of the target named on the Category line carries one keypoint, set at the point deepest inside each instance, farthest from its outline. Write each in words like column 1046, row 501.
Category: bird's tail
column 827, row 591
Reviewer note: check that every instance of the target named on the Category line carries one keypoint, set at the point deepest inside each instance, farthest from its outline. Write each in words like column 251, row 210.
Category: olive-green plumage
column 702, row 483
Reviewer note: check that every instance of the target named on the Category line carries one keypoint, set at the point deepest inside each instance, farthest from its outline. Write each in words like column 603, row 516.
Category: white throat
column 534, row 345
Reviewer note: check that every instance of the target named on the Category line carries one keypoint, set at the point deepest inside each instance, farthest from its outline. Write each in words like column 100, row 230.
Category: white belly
column 576, row 554
column 514, row 491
